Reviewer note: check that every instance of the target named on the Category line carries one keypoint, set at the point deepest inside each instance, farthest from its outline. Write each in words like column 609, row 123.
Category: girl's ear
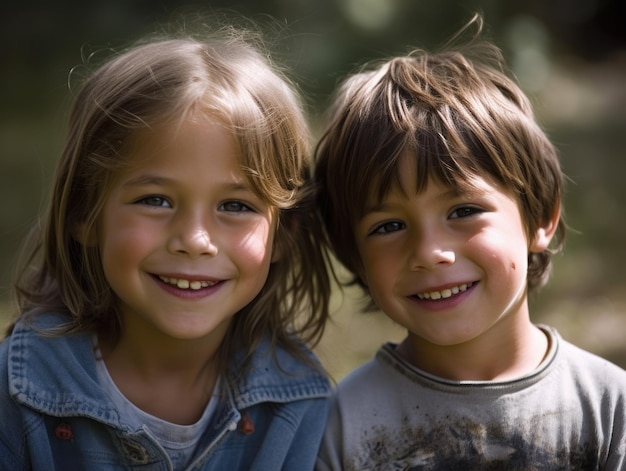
column 277, row 252
column 84, row 235
column 543, row 235
column 278, row 248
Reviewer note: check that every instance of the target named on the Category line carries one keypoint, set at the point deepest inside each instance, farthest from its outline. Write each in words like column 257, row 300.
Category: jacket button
column 246, row 426
column 135, row 452
column 64, row 431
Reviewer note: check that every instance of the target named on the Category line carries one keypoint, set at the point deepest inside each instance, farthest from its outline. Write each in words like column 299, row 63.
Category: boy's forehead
column 413, row 172
column 407, row 184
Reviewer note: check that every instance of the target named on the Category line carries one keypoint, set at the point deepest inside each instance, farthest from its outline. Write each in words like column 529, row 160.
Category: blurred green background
column 569, row 56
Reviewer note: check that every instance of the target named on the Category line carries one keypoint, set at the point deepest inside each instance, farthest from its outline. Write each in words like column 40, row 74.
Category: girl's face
column 185, row 243
column 449, row 267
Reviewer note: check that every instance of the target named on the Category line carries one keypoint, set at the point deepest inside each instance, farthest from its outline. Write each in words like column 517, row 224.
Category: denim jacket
column 54, row 414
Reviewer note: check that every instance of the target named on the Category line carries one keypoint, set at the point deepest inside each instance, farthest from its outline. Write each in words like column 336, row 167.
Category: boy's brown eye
column 391, row 226
column 464, row 212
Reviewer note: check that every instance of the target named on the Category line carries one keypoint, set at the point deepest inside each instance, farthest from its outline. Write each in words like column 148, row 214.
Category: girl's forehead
column 174, row 134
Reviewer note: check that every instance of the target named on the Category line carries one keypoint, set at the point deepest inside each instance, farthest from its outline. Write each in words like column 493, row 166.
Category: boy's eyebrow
column 375, row 208
column 384, row 205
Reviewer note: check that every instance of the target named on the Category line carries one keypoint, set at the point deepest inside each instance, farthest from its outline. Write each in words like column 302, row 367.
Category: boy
column 441, row 195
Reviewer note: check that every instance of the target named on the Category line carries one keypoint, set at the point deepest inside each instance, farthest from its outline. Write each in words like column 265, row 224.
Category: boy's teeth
column 186, row 284
column 443, row 294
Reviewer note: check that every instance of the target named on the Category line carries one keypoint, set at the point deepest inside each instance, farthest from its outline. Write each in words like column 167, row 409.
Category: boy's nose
column 431, row 250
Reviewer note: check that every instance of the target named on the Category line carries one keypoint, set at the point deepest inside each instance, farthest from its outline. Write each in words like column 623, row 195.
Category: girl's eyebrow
column 143, row 180
column 158, row 180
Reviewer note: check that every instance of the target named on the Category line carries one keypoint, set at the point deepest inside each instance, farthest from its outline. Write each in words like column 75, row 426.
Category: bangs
column 434, row 160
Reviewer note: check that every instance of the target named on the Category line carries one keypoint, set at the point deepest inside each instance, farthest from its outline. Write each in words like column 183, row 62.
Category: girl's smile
column 189, row 288
column 186, row 283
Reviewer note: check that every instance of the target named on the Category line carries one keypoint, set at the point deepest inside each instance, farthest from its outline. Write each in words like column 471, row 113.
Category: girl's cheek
column 256, row 244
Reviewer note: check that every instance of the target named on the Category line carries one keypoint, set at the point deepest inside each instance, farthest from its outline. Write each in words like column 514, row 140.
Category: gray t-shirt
column 570, row 413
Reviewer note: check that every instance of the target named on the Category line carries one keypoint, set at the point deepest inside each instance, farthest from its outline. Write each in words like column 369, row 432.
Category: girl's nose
column 192, row 238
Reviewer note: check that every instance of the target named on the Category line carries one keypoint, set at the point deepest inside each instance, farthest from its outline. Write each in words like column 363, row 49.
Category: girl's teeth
column 446, row 293
column 186, row 284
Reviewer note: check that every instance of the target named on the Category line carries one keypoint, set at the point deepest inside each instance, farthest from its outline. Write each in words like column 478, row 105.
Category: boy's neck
column 500, row 359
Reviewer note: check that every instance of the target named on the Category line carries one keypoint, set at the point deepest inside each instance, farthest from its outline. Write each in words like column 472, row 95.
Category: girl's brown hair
column 460, row 114
column 230, row 76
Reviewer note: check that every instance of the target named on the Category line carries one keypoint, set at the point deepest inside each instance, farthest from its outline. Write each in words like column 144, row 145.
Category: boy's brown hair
column 460, row 115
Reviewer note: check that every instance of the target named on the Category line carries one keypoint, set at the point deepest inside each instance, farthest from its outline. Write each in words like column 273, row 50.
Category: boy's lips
column 183, row 283
column 444, row 293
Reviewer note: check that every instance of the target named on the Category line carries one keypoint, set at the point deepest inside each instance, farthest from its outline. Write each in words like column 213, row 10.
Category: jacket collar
column 277, row 376
column 57, row 375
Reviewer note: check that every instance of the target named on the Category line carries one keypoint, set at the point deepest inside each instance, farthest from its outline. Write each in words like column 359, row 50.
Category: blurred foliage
column 569, row 55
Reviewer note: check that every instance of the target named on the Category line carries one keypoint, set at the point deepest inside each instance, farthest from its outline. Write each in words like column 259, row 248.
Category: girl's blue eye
column 155, row 201
column 234, row 207
column 464, row 211
column 387, row 227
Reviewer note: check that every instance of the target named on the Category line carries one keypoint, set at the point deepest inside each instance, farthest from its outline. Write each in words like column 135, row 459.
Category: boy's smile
column 185, row 242
column 444, row 293
column 448, row 266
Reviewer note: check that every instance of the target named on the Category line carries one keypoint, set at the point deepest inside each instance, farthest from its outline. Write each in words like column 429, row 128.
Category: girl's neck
column 172, row 380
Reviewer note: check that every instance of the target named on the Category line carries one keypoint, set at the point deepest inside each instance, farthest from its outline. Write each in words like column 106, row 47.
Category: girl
column 158, row 302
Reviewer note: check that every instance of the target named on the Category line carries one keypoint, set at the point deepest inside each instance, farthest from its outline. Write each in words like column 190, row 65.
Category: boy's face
column 448, row 267
column 185, row 243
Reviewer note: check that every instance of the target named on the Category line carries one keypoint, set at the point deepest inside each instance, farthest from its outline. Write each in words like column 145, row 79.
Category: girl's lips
column 189, row 289
column 444, row 293
column 182, row 283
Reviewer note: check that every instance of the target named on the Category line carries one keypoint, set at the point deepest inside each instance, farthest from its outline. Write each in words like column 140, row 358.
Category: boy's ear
column 85, row 236
column 543, row 235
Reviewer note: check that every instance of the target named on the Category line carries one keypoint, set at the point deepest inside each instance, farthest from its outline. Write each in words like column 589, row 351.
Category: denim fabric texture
column 54, row 414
